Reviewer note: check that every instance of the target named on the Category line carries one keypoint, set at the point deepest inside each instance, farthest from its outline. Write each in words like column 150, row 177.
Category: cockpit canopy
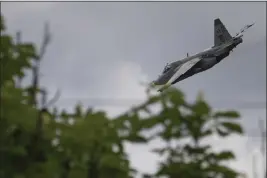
column 166, row 68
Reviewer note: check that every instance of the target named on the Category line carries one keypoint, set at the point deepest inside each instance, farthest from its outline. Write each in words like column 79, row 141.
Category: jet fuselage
column 224, row 43
column 209, row 58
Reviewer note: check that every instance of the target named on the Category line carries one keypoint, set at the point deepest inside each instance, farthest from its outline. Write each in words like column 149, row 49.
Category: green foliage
column 191, row 123
column 36, row 141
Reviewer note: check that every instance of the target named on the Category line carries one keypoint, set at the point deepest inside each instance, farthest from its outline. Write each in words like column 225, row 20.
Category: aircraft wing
column 185, row 67
column 180, row 71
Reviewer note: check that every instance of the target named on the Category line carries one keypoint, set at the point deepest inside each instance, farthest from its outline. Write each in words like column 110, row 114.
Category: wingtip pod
column 164, row 87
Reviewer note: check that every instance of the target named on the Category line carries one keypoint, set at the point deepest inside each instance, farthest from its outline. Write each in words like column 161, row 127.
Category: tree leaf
column 136, row 138
column 227, row 115
column 196, row 150
column 225, row 155
column 225, row 171
column 221, row 132
column 233, row 127
column 201, row 108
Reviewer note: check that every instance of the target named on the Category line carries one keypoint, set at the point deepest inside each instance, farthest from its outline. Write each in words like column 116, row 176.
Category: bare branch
column 44, row 98
column 35, row 80
column 53, row 100
column 18, row 41
column 46, row 41
column 18, row 37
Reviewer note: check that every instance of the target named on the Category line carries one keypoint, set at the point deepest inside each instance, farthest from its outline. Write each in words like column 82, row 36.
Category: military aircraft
column 179, row 70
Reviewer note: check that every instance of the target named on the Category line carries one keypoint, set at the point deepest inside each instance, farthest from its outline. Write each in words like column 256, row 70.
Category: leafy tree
column 17, row 134
column 38, row 141
column 91, row 147
column 185, row 125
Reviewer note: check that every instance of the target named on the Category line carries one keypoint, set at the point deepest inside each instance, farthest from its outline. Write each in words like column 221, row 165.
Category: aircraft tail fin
column 221, row 34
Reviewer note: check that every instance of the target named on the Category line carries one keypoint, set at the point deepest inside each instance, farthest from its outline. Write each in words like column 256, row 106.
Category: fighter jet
column 179, row 70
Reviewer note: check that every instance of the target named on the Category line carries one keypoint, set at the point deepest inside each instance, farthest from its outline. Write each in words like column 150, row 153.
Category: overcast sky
column 105, row 49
